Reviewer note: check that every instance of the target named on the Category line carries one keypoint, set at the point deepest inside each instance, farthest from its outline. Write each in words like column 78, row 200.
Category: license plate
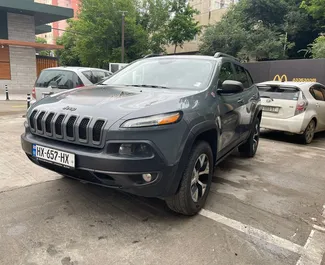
column 271, row 109
column 54, row 156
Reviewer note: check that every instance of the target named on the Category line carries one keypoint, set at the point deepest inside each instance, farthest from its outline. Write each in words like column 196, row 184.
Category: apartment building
column 58, row 27
column 211, row 12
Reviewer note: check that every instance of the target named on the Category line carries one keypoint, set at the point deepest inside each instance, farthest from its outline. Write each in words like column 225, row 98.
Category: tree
column 154, row 17
column 68, row 56
column 182, row 26
column 43, row 41
column 318, row 47
column 261, row 30
column 315, row 8
column 95, row 38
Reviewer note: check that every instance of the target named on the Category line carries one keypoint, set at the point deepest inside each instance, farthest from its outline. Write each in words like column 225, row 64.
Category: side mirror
column 231, row 86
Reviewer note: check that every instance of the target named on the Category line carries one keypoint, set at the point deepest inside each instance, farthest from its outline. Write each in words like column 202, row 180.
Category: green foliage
column 154, row 17
column 260, row 30
column 69, row 56
column 43, row 41
column 318, row 48
column 315, row 8
column 182, row 26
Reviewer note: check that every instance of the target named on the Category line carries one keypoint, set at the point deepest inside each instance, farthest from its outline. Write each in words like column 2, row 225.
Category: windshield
column 166, row 73
column 279, row 92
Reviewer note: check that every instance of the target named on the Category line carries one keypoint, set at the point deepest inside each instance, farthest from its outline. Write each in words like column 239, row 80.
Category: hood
column 114, row 102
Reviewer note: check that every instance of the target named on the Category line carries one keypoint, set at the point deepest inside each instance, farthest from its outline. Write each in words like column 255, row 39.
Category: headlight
column 162, row 119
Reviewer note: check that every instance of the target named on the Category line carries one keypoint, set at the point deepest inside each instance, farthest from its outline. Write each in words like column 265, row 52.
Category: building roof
column 42, row 13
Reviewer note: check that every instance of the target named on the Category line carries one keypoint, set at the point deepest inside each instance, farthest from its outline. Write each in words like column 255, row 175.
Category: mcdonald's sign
column 282, row 78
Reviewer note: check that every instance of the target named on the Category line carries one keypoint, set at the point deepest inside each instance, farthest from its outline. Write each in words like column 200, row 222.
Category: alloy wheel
column 200, row 176
column 256, row 136
column 310, row 131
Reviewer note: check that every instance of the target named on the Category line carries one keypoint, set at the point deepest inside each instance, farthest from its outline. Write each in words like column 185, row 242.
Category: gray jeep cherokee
column 157, row 128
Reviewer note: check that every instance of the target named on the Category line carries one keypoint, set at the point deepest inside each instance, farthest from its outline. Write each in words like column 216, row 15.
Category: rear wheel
column 249, row 148
column 196, row 181
column 309, row 133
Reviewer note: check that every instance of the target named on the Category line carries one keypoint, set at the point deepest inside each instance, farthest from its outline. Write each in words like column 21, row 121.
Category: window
column 58, row 78
column 98, row 76
column 89, row 76
column 250, row 79
column 242, row 76
column 318, row 92
column 179, row 73
column 226, row 73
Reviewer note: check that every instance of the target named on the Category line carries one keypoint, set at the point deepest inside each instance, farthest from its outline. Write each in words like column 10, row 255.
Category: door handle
column 240, row 100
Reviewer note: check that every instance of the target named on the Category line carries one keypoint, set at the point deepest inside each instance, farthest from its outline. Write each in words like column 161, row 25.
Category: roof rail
column 220, row 54
column 152, row 55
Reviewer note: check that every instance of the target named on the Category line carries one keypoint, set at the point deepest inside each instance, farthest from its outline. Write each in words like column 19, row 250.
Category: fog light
column 125, row 149
column 147, row 177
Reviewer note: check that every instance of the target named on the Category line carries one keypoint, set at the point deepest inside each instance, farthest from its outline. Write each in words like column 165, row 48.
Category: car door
column 249, row 100
column 229, row 111
column 318, row 92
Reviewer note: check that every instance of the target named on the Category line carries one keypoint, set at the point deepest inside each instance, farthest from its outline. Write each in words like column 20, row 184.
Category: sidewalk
column 13, row 97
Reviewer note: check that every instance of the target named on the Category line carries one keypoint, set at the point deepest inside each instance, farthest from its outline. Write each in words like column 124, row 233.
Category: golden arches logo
column 282, row 78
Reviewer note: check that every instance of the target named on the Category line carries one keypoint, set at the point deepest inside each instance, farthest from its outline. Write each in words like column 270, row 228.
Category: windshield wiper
column 152, row 86
column 267, row 97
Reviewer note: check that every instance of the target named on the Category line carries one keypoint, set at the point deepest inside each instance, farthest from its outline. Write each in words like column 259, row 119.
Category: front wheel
column 249, row 148
column 308, row 135
column 196, row 182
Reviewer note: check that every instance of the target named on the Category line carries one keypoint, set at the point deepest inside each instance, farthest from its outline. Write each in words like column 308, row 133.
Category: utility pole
column 123, row 32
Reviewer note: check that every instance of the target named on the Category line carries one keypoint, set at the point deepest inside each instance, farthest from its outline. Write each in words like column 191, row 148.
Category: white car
column 292, row 107
column 57, row 79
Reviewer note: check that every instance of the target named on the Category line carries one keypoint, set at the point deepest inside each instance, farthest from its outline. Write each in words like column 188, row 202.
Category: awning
column 42, row 13
column 38, row 46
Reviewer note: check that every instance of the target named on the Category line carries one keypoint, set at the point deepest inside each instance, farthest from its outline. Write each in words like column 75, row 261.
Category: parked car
column 156, row 128
column 56, row 79
column 292, row 107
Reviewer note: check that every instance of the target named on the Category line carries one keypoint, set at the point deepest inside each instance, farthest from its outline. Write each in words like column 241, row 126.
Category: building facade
column 20, row 20
column 58, row 27
column 211, row 12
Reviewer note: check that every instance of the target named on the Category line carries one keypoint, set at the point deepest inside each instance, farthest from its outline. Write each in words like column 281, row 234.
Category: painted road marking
column 314, row 249
column 254, row 232
column 311, row 254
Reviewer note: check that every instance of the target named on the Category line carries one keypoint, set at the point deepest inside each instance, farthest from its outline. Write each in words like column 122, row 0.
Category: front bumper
column 98, row 167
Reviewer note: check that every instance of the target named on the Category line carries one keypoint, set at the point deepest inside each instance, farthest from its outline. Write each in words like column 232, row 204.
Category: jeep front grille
column 68, row 128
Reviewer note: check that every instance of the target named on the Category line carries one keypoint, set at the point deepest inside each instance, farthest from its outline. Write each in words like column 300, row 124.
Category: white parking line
column 314, row 249
column 311, row 254
column 254, row 232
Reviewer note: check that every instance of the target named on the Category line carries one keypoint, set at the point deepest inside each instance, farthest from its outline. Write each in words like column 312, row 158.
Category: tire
column 308, row 136
column 194, row 188
column 249, row 148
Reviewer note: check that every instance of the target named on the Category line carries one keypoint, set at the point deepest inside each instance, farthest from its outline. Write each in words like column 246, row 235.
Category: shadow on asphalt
column 139, row 207
column 283, row 137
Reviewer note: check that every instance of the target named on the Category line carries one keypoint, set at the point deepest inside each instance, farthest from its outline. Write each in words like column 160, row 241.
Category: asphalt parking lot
column 266, row 210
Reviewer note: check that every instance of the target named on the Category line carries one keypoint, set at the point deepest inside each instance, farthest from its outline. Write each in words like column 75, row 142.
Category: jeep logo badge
column 69, row 108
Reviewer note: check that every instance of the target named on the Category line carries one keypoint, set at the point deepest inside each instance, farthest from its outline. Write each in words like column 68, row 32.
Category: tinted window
column 279, row 92
column 88, row 75
column 58, row 78
column 242, row 76
column 167, row 72
column 98, row 76
column 250, row 79
column 226, row 73
column 318, row 93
